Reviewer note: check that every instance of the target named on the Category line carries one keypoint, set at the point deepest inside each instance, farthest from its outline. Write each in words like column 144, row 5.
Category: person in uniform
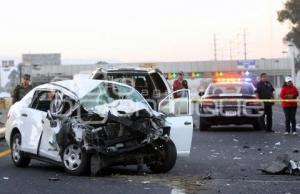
column 265, row 91
column 21, row 89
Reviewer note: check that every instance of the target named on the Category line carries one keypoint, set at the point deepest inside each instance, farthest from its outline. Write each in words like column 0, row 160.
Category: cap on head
column 26, row 76
column 288, row 79
column 180, row 73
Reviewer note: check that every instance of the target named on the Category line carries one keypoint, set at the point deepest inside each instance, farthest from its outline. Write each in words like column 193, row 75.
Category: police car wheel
column 203, row 125
column 257, row 125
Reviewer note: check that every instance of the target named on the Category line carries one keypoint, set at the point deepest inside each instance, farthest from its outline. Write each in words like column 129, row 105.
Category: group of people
column 288, row 94
column 265, row 91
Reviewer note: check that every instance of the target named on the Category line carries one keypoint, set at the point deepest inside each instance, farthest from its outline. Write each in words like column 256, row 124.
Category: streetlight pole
column 293, row 62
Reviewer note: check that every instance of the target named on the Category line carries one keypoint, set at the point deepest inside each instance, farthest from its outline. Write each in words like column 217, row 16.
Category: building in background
column 42, row 59
column 276, row 68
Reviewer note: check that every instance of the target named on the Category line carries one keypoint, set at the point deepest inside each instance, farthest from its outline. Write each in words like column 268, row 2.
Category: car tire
column 167, row 157
column 203, row 125
column 257, row 125
column 18, row 157
column 75, row 160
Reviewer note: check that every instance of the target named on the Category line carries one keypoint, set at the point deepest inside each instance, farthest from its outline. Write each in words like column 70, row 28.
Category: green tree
column 14, row 80
column 291, row 14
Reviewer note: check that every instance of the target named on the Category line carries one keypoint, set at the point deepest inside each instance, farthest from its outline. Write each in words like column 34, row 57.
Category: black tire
column 75, row 160
column 203, row 125
column 166, row 159
column 257, row 125
column 18, row 157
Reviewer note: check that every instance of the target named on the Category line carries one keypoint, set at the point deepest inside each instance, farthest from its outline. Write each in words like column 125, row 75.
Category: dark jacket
column 265, row 90
column 19, row 92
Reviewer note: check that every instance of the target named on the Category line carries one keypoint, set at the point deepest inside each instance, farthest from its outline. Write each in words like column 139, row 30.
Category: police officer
column 265, row 91
column 22, row 89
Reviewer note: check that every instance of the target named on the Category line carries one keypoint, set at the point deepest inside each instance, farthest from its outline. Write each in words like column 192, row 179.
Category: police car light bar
column 228, row 80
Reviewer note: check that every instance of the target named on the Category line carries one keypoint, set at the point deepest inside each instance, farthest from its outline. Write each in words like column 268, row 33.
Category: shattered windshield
column 106, row 93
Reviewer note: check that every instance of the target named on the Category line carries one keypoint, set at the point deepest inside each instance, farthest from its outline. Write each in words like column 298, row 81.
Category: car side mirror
column 201, row 93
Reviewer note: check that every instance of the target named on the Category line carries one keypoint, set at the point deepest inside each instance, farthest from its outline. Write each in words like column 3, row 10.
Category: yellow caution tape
column 198, row 99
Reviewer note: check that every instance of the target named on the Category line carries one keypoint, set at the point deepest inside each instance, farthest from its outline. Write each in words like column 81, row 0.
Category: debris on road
column 283, row 165
column 5, row 178
column 235, row 140
column 277, row 144
column 237, row 158
column 295, row 151
column 208, row 177
column 246, row 147
column 54, row 179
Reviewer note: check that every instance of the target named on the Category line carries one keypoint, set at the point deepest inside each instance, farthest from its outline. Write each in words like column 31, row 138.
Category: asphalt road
column 223, row 160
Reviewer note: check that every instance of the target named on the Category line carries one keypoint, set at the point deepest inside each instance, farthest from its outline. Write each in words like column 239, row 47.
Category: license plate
column 230, row 113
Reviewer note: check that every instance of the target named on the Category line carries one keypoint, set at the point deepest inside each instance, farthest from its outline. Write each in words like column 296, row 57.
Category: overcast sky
column 141, row 30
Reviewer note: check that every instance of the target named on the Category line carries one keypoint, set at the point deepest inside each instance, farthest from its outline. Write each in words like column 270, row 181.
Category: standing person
column 22, row 89
column 289, row 91
column 265, row 91
column 179, row 84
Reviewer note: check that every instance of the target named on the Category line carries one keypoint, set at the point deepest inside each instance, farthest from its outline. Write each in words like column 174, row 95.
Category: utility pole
column 215, row 47
column 245, row 45
column 230, row 50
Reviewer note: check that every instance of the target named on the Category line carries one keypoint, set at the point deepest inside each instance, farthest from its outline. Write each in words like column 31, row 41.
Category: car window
column 159, row 82
column 140, row 81
column 42, row 100
column 234, row 89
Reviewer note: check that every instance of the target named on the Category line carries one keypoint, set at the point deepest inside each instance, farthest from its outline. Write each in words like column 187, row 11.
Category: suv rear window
column 159, row 82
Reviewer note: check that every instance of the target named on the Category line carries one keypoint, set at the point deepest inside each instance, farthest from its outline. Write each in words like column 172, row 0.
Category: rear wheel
column 203, row 125
column 75, row 160
column 167, row 155
column 18, row 157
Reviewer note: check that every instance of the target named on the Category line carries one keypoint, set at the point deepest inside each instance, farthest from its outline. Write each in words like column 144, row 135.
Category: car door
column 177, row 107
column 32, row 125
column 48, row 146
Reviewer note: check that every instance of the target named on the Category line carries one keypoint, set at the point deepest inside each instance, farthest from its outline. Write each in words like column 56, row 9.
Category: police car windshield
column 219, row 89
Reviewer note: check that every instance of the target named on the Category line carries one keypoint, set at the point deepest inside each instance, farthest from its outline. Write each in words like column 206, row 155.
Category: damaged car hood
column 121, row 108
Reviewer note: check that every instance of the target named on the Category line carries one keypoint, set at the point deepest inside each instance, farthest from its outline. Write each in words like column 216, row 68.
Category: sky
column 141, row 30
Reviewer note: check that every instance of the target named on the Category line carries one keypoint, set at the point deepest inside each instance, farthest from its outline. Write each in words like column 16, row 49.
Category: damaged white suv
column 76, row 123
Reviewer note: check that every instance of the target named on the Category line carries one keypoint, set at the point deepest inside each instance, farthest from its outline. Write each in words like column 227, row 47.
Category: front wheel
column 75, row 160
column 167, row 155
column 203, row 125
column 257, row 125
column 18, row 157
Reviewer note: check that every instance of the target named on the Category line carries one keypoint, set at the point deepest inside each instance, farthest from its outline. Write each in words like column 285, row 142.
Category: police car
column 230, row 101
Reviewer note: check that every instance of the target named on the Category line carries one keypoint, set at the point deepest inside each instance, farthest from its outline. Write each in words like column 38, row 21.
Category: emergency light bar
column 231, row 80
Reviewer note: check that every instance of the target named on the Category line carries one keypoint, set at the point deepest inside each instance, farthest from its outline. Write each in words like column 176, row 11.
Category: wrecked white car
column 86, row 123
